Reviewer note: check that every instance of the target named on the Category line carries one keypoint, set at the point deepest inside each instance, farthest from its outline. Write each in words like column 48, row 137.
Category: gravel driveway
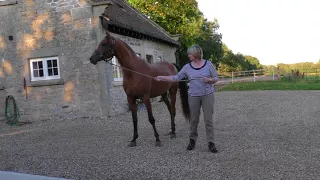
column 259, row 135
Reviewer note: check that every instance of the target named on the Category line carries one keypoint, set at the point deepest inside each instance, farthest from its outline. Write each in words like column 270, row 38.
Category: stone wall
column 70, row 30
column 43, row 28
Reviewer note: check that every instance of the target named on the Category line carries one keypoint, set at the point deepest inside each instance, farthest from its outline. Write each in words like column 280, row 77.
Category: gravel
column 259, row 135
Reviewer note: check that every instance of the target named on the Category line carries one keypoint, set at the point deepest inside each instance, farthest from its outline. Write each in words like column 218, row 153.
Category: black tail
column 184, row 96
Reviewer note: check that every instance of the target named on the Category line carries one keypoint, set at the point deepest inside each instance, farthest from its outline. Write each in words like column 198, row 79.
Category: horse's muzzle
column 94, row 58
column 91, row 60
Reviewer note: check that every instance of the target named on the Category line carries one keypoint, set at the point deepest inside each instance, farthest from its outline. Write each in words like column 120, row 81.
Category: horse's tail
column 183, row 87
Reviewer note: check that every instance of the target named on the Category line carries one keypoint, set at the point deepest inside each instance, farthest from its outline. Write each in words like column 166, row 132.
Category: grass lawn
column 271, row 85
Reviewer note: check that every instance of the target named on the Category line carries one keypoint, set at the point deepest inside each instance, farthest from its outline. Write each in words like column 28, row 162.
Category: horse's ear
column 108, row 34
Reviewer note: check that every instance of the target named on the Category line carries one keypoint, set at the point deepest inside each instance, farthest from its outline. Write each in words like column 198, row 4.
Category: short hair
column 196, row 51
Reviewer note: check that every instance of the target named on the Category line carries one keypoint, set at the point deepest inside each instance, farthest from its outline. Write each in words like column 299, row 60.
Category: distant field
column 271, row 85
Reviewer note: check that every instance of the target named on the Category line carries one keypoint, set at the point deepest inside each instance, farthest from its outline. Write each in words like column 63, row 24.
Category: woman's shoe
column 212, row 147
column 191, row 145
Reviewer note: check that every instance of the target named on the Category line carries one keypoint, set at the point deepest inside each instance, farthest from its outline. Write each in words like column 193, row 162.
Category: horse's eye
column 103, row 45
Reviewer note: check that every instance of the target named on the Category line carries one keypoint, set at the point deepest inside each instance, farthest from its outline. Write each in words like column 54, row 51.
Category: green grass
column 271, row 85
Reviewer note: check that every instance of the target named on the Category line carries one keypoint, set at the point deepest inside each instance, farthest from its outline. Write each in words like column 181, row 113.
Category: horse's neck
column 125, row 56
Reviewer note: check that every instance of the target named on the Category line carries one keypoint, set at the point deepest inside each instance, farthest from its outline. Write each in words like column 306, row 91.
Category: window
column 149, row 58
column 44, row 68
column 8, row 2
column 117, row 71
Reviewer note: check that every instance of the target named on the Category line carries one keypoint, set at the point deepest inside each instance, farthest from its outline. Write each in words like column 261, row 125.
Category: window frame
column 45, row 69
column 8, row 2
column 118, row 73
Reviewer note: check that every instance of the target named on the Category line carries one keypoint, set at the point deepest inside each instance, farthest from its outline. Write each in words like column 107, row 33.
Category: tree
column 253, row 62
column 183, row 17
column 175, row 16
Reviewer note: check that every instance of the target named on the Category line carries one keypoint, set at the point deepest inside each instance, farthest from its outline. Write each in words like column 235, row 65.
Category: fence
column 247, row 76
column 309, row 75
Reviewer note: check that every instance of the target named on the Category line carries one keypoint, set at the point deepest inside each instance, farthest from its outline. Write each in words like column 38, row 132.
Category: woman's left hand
column 208, row 80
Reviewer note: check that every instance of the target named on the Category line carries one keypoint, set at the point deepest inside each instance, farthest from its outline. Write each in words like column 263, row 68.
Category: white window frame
column 119, row 76
column 45, row 69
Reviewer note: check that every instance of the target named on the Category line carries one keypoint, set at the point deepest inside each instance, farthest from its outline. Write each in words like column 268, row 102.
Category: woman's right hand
column 158, row 78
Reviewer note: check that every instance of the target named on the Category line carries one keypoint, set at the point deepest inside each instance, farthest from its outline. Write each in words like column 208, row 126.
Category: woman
column 202, row 75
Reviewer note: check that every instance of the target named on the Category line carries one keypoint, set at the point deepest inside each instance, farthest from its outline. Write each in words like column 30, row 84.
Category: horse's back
column 163, row 68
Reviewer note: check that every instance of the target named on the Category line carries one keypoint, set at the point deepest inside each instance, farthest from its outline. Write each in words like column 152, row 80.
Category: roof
column 124, row 16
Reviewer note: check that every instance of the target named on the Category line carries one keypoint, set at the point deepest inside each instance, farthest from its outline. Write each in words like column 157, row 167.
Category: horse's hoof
column 132, row 144
column 169, row 133
column 158, row 144
column 172, row 136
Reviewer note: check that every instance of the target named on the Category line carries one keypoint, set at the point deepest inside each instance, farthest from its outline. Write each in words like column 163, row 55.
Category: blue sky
column 274, row 31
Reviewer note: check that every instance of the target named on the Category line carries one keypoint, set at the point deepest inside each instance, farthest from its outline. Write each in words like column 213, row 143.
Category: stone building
column 45, row 47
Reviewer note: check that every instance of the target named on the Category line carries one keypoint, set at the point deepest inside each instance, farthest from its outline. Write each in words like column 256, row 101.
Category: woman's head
column 195, row 51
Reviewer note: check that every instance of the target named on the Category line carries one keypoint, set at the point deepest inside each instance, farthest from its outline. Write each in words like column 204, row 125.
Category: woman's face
column 191, row 57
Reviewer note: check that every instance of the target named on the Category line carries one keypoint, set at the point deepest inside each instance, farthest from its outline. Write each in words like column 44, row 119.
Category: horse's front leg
column 133, row 108
column 146, row 101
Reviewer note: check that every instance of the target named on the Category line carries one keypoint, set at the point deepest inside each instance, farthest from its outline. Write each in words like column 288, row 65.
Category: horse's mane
column 130, row 49
column 133, row 53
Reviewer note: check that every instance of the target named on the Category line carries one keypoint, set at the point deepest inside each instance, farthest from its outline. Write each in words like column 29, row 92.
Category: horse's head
column 105, row 50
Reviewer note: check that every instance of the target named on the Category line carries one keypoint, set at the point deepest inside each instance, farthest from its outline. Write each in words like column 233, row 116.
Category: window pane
column 121, row 72
column 49, row 72
column 54, row 63
column 49, row 63
column 35, row 65
column 35, row 73
column 55, row 71
column 40, row 64
column 115, row 73
column 41, row 73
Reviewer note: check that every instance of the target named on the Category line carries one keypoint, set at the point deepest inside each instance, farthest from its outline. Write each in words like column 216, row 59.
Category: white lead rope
column 148, row 75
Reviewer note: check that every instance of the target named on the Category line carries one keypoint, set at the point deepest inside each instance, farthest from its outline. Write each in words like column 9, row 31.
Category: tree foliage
column 288, row 68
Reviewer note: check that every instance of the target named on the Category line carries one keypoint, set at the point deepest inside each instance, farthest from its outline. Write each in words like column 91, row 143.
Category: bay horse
column 139, row 83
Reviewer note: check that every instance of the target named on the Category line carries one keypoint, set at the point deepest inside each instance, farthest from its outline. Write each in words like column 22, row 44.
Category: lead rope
column 144, row 74
column 151, row 76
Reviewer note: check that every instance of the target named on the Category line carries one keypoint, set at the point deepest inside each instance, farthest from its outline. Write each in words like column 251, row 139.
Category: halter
column 110, row 49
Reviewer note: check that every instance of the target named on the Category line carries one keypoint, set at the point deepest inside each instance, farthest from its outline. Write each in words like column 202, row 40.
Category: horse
column 139, row 82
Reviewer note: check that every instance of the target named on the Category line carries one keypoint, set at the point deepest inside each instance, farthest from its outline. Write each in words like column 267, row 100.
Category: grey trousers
column 207, row 104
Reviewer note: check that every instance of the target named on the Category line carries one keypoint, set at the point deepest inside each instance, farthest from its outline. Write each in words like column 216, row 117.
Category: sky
column 274, row 31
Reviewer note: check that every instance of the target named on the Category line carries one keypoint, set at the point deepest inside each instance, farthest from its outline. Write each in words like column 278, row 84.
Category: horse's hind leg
column 133, row 108
column 172, row 114
column 146, row 101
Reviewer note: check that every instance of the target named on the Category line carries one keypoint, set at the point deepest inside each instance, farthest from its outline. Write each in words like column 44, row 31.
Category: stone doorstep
column 23, row 176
